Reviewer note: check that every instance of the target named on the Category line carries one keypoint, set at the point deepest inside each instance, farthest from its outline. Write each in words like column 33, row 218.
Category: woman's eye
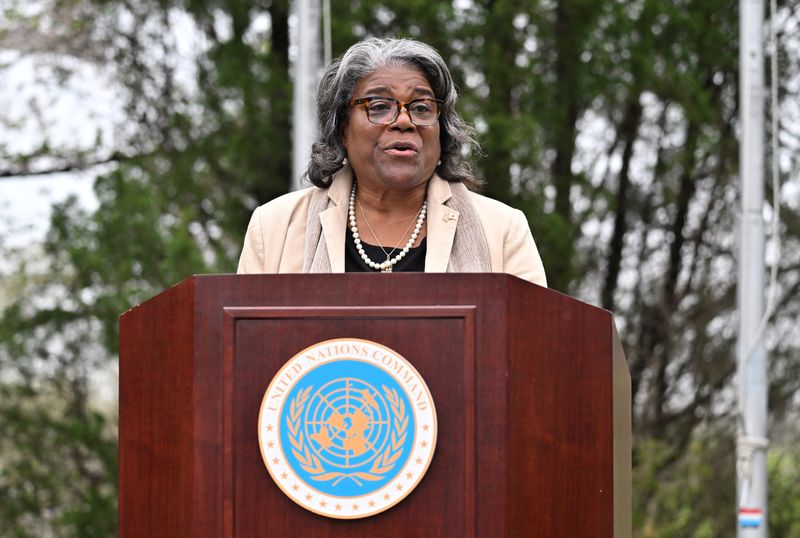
column 379, row 106
column 421, row 108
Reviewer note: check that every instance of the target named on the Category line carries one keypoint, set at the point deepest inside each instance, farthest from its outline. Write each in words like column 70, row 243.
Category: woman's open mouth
column 401, row 149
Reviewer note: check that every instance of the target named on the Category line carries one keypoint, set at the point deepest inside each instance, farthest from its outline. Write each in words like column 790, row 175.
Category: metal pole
column 306, row 73
column 326, row 31
column 751, row 483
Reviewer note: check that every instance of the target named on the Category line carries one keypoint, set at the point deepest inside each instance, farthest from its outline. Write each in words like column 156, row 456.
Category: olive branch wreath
column 383, row 463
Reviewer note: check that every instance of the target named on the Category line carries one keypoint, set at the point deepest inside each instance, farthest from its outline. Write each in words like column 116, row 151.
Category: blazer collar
column 442, row 223
column 334, row 218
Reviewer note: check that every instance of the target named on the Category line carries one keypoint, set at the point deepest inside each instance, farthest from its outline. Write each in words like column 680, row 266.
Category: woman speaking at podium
column 393, row 190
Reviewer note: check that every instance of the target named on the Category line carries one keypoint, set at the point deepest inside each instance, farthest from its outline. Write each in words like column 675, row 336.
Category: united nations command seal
column 347, row 428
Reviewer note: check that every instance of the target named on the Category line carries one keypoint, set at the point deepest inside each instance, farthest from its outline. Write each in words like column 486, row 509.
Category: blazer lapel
column 334, row 219
column 442, row 224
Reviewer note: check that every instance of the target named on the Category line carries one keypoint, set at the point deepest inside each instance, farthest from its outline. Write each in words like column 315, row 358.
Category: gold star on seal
column 372, row 504
column 399, row 487
column 308, row 496
column 355, row 507
column 424, row 444
column 386, row 497
column 275, row 461
column 295, row 487
column 323, row 504
column 269, row 427
column 338, row 507
column 270, row 444
column 284, row 475
column 425, row 427
column 419, row 461
column 409, row 475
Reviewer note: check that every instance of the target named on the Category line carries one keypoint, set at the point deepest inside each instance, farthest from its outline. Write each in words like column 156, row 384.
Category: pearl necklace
column 385, row 267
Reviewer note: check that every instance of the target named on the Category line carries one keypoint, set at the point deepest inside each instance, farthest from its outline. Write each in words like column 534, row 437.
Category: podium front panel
column 438, row 341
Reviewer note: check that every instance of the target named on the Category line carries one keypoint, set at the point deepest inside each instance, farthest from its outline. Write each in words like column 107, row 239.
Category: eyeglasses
column 386, row 110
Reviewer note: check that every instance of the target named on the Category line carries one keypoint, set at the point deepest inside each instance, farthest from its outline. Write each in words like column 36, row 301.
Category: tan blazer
column 275, row 238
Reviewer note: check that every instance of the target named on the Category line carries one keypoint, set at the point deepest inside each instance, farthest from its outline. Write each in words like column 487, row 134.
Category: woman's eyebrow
column 385, row 90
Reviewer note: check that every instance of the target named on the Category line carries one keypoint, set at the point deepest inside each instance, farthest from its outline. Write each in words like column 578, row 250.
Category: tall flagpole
column 751, row 445
column 306, row 74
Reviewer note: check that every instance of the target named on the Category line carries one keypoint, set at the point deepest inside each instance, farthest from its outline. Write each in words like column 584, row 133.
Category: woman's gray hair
column 457, row 138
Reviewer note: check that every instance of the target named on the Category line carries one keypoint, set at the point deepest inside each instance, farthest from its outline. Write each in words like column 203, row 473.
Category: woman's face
column 400, row 156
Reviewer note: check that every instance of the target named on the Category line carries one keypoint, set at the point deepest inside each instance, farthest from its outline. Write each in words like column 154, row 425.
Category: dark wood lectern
column 531, row 391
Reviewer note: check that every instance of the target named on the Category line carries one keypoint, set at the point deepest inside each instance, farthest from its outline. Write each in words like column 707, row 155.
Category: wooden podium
column 531, row 391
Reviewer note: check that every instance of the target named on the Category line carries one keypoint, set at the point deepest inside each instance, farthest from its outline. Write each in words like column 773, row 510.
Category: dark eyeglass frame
column 398, row 107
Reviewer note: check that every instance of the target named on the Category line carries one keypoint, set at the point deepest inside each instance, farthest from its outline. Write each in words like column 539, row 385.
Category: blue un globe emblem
column 347, row 428
column 348, row 435
column 348, row 422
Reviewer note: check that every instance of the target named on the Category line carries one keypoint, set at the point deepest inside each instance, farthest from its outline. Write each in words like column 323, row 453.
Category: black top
column 414, row 261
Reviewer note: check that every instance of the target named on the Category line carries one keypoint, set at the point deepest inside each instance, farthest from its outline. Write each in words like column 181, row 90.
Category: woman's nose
column 403, row 119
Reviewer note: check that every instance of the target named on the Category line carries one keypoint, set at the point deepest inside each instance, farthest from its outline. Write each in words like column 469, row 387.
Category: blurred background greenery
column 611, row 123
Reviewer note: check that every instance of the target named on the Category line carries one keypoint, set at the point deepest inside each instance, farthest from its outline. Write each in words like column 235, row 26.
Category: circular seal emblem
column 347, row 428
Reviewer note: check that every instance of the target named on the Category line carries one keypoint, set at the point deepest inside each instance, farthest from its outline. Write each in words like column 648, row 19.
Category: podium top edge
column 199, row 281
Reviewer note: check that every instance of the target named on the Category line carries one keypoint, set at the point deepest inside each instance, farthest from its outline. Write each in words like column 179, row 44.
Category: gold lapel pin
column 448, row 217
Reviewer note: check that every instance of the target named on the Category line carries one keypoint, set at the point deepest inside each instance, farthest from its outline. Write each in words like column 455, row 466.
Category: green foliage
column 689, row 493
column 59, row 468
column 784, row 491
column 692, row 493
column 57, row 454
